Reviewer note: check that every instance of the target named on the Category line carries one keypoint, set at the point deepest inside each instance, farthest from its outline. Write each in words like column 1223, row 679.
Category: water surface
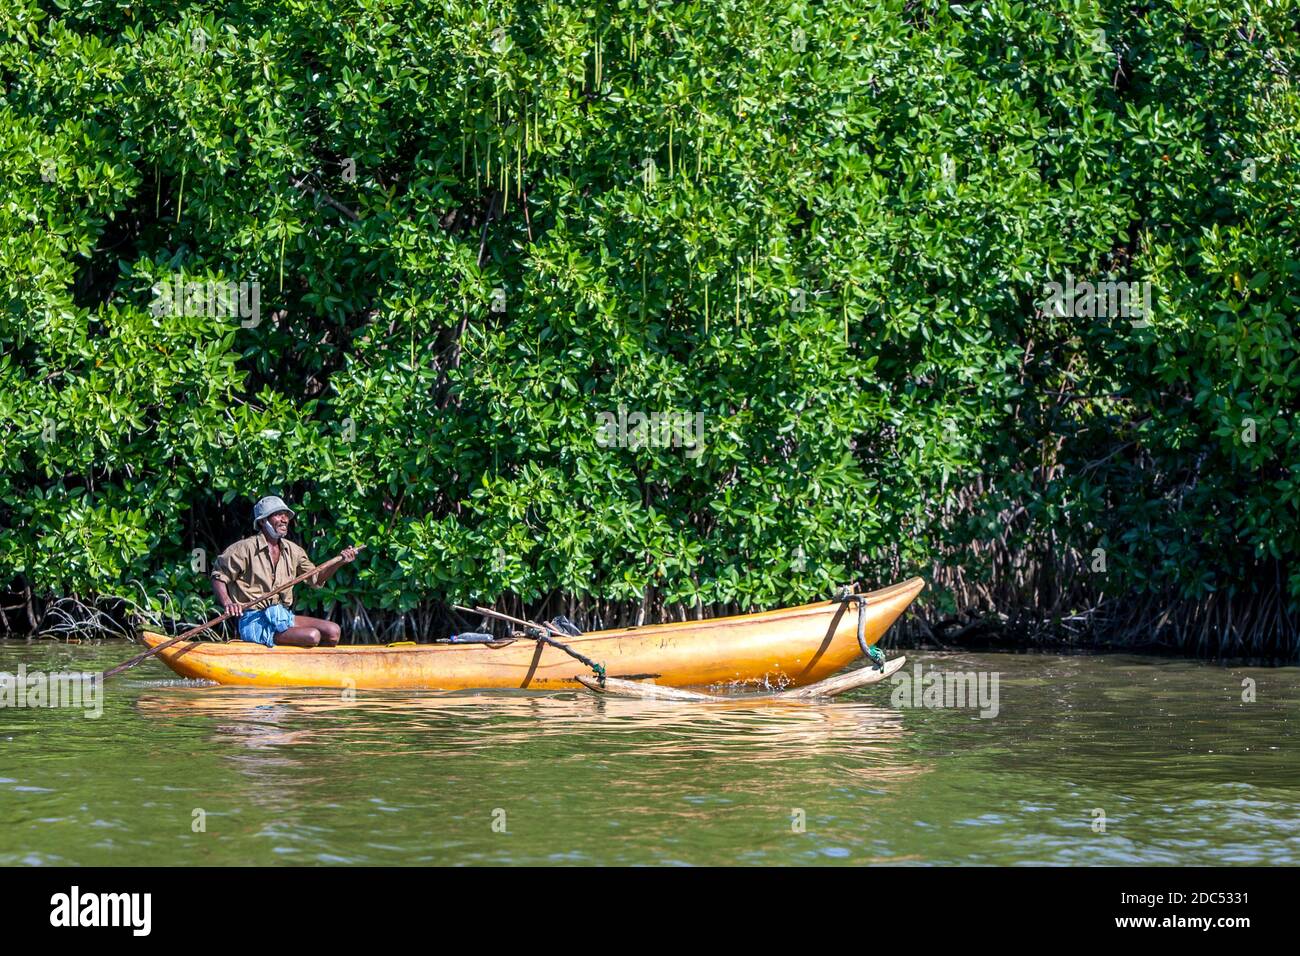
column 1184, row 770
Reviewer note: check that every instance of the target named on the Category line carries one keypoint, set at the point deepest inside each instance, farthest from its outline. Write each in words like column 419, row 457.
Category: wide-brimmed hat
column 271, row 504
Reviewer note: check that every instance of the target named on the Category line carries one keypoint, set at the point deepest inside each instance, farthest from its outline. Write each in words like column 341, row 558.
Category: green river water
column 1184, row 770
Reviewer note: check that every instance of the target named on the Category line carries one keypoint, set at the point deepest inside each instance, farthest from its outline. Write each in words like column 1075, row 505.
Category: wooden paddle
column 127, row 665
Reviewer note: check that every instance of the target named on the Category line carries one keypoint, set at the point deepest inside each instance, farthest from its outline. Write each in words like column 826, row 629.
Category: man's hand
column 348, row 554
column 228, row 604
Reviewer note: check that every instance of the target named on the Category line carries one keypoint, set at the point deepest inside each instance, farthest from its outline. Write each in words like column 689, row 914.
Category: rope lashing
column 869, row 651
column 542, row 637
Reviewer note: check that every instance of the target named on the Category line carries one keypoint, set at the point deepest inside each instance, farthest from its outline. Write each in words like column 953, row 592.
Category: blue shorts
column 260, row 627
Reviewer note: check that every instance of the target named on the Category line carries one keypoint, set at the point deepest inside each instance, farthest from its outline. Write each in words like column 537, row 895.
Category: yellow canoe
column 790, row 647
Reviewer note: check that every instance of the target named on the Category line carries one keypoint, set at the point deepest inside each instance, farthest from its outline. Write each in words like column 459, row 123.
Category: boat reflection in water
column 452, row 725
column 420, row 776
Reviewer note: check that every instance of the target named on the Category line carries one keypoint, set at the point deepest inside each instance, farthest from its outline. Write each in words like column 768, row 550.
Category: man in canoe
column 247, row 572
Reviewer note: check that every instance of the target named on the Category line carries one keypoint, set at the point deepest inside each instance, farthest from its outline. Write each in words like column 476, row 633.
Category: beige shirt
column 249, row 576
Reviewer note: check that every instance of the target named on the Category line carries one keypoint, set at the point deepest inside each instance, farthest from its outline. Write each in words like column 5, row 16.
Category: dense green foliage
column 825, row 227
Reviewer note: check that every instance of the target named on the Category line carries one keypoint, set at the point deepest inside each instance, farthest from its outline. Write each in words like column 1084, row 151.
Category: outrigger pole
column 542, row 633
